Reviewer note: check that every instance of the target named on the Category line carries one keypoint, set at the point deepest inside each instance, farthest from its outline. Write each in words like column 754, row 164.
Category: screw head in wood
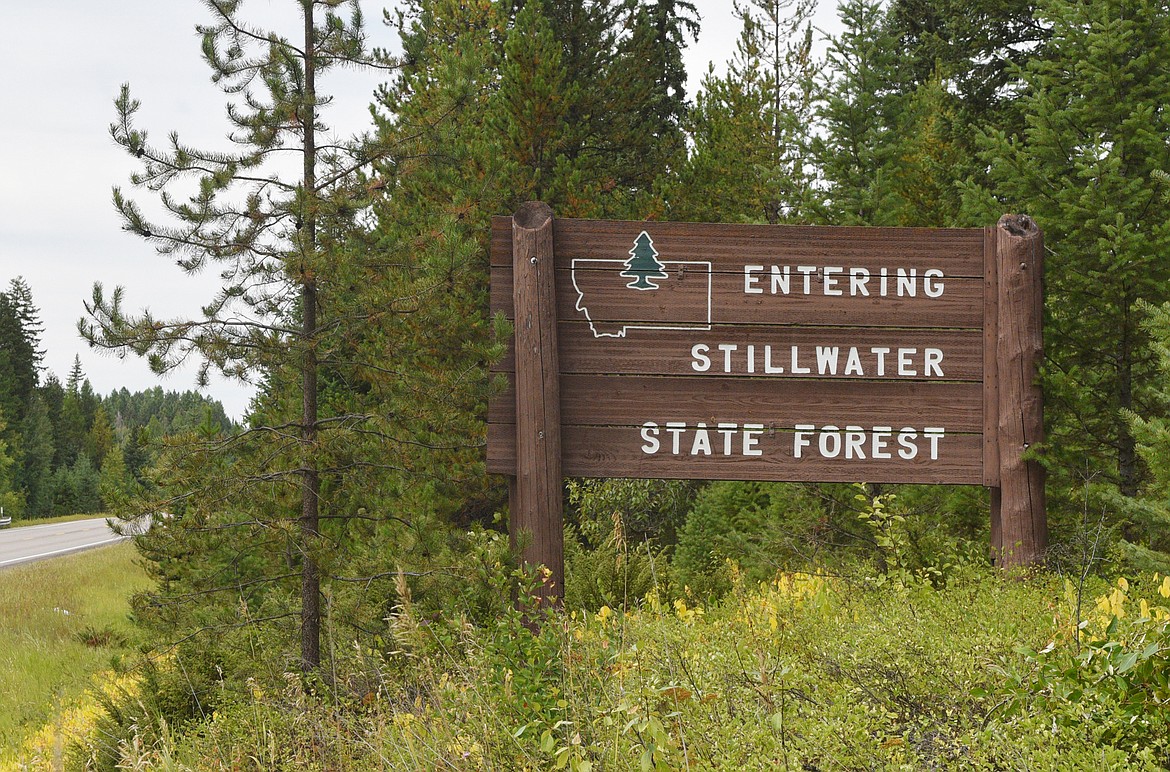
column 532, row 260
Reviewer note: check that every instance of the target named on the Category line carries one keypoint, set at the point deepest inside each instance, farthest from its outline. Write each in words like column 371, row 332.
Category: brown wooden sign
column 683, row 350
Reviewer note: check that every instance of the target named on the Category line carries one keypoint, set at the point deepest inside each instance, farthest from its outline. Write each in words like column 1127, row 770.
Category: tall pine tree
column 1096, row 128
column 748, row 129
column 273, row 236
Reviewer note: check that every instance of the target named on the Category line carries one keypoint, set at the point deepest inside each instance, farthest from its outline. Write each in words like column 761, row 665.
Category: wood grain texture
column 604, row 451
column 611, row 400
column 990, row 365
column 1023, row 526
column 682, row 300
column 535, row 514
column 957, row 251
column 669, row 352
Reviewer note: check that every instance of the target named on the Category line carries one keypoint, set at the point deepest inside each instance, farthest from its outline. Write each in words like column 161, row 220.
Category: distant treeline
column 64, row 449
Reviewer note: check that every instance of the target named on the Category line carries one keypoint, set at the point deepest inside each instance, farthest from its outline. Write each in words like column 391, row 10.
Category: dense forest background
column 355, row 290
column 65, row 450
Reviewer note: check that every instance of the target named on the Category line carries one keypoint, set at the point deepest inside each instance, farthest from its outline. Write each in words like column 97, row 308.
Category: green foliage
column 748, row 127
column 11, row 502
column 974, row 47
column 762, row 527
column 804, row 671
column 46, row 663
column 613, row 552
column 856, row 150
column 1113, row 684
column 1081, row 165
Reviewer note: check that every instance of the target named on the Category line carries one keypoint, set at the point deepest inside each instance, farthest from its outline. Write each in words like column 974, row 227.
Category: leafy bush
column 1110, row 683
column 763, row 527
column 804, row 671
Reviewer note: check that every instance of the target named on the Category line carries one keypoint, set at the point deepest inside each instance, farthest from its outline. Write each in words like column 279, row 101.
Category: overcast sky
column 64, row 62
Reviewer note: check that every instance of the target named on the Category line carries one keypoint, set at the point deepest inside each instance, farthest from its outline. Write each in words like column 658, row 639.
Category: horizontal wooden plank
column 620, row 452
column 956, row 251
column 762, row 350
column 600, row 400
column 695, row 299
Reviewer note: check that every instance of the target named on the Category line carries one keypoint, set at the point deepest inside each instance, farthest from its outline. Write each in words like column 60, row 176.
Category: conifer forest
column 333, row 585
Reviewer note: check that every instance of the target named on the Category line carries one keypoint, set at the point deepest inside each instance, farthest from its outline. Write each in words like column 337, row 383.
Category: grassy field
column 61, row 621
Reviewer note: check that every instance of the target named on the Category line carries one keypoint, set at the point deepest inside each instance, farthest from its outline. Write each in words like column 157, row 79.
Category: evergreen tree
column 20, row 353
column 648, row 126
column 531, row 107
column 1096, row 129
column 275, row 240
column 643, row 264
column 71, row 427
column 974, row 46
column 115, row 482
column 100, row 439
column 11, row 500
column 749, row 126
column 856, row 149
column 37, row 458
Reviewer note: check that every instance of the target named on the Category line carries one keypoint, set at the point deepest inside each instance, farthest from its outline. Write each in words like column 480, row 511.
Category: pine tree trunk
column 310, row 480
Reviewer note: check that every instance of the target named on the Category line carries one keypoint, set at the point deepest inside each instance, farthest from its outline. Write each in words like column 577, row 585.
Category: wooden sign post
column 1019, row 524
column 535, row 523
column 788, row 353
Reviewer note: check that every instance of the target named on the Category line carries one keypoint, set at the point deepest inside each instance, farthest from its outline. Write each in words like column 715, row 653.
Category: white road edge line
column 26, row 528
column 58, row 552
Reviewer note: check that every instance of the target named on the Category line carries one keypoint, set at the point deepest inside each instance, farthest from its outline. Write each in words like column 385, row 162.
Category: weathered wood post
column 1019, row 522
column 535, row 507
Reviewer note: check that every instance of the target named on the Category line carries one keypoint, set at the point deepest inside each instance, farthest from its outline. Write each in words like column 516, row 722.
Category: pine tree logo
column 643, row 264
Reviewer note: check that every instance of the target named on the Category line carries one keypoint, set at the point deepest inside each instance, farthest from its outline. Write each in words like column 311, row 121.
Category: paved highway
column 35, row 542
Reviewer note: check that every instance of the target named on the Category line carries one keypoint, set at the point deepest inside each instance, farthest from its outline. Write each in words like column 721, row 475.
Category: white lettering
column 650, row 437
column 854, row 439
column 933, row 361
column 827, row 359
column 702, row 362
column 796, row 368
column 799, row 438
column 907, row 449
column 929, row 288
column 905, row 366
column 728, row 431
column 831, row 282
column 858, row 279
column 808, row 271
column 727, row 349
column 830, row 433
column 702, row 443
column 934, row 435
column 880, row 435
column 768, row 368
column 853, row 365
column 676, row 428
column 751, row 434
column 902, row 282
column 750, row 282
column 822, row 360
column 783, row 282
column 907, row 282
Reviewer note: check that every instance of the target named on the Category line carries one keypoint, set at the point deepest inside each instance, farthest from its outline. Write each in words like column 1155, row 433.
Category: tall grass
column 806, row 672
column 61, row 621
